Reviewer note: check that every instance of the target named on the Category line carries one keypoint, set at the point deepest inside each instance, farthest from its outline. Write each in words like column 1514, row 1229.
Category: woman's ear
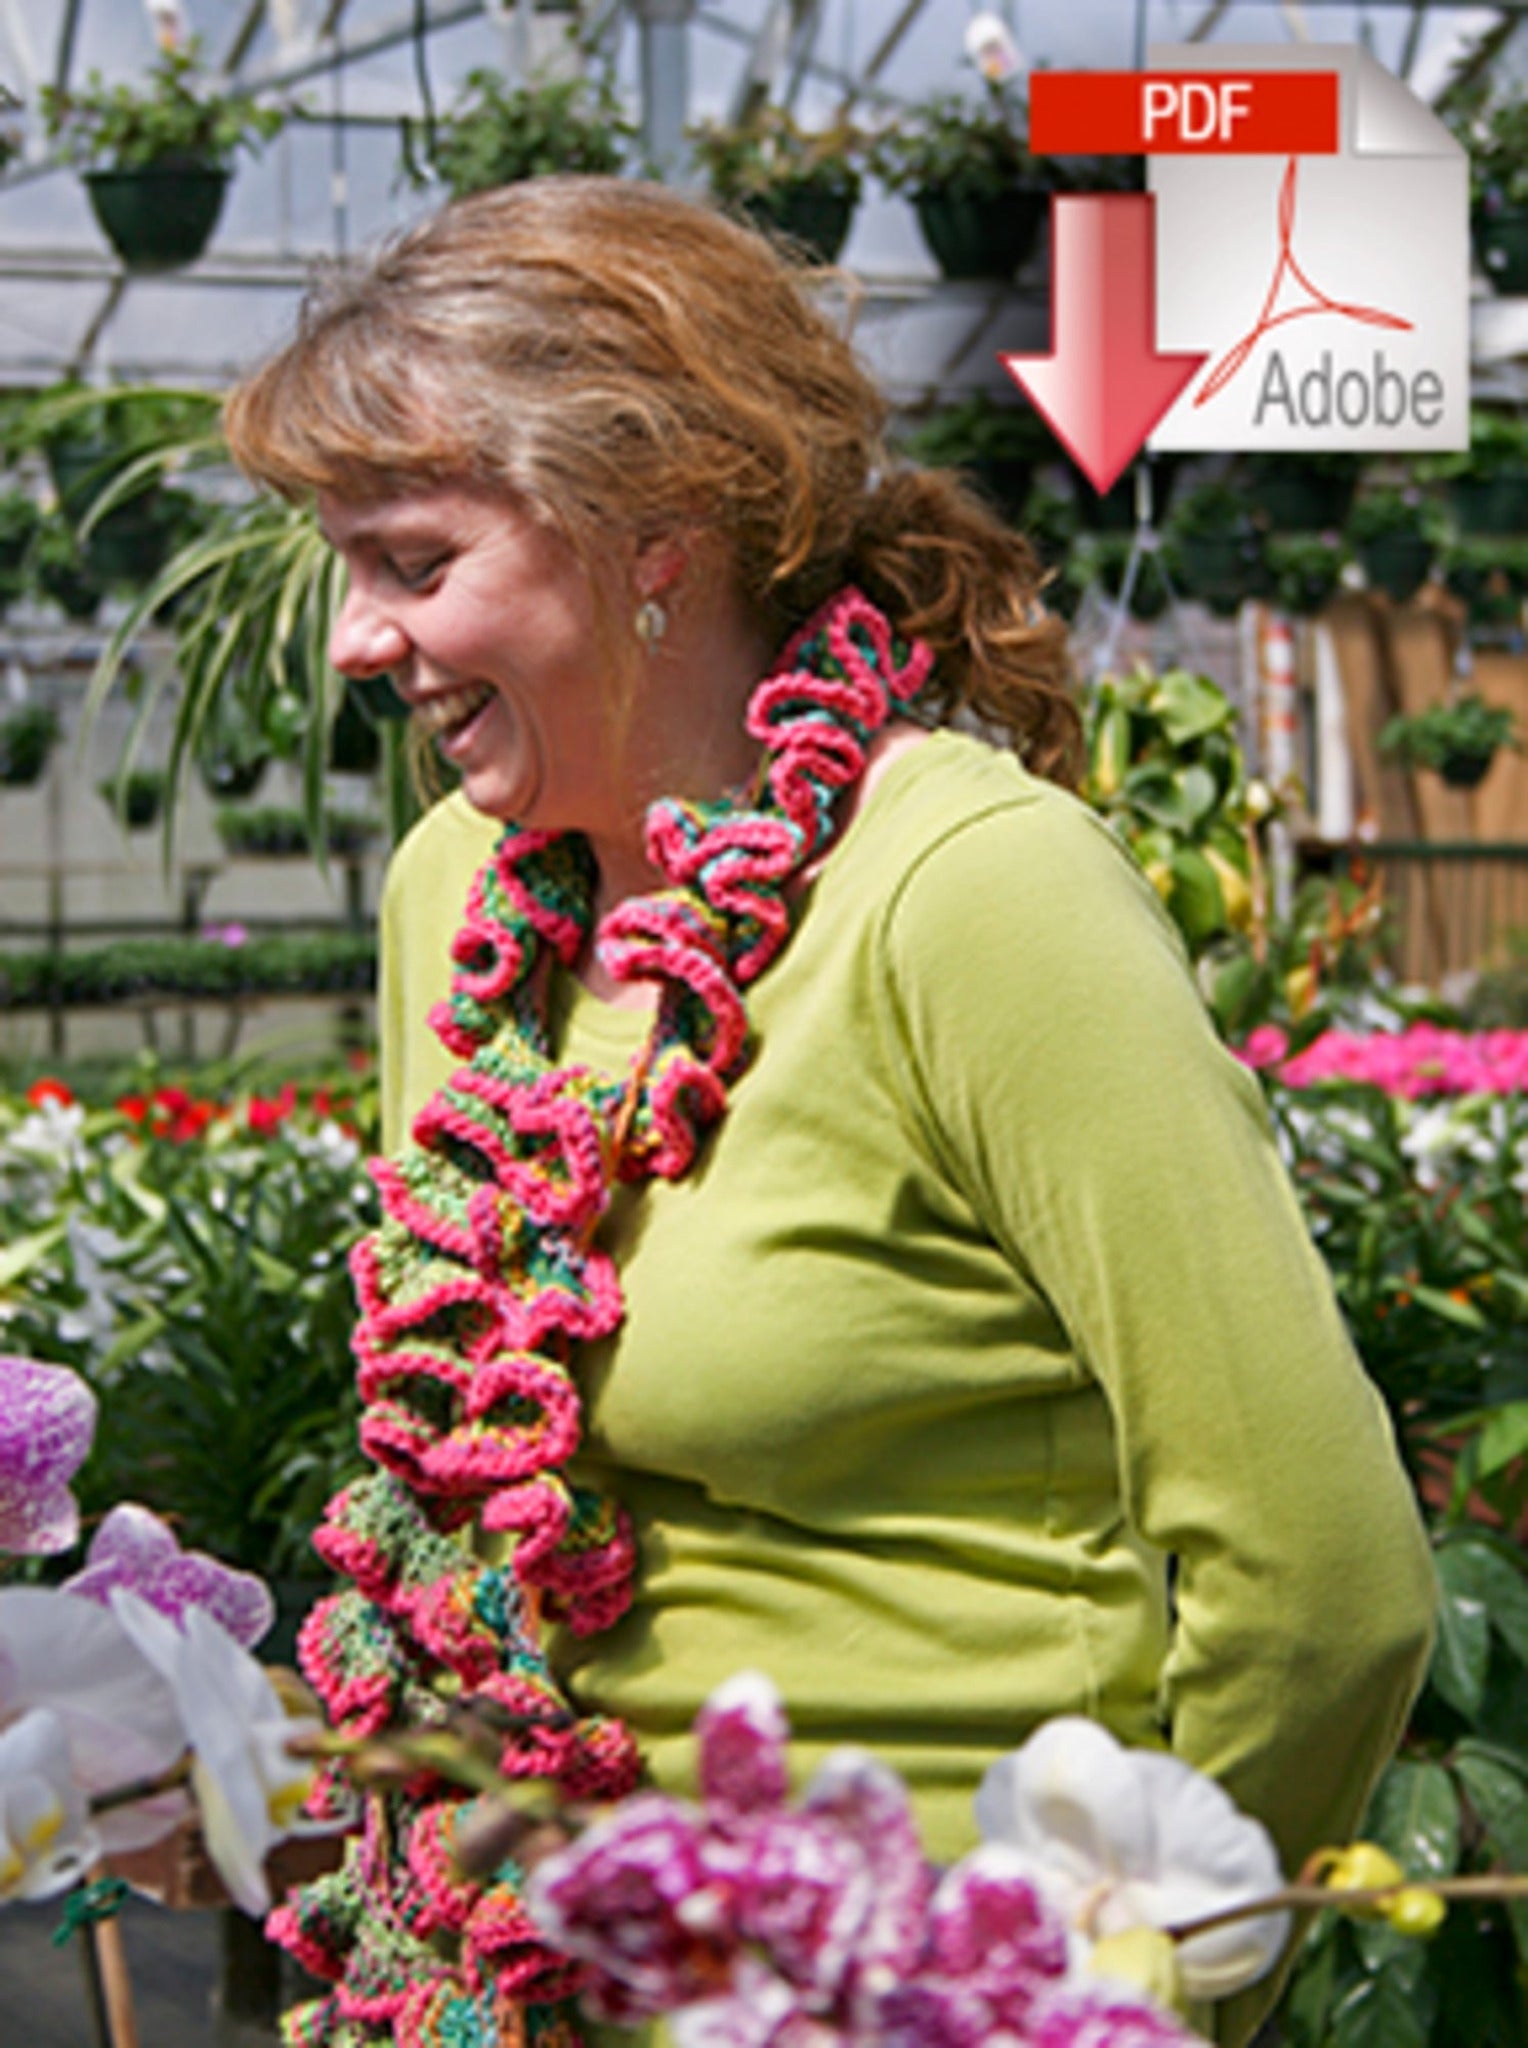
column 660, row 563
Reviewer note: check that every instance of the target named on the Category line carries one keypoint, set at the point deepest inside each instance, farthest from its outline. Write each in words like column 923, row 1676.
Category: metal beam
column 244, row 35
column 112, row 298
column 67, row 30
column 883, row 52
column 400, row 29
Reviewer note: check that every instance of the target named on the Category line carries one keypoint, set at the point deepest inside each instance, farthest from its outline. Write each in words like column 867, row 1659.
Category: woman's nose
column 364, row 641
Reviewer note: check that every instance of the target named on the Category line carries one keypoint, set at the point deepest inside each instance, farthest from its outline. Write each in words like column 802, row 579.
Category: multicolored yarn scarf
column 481, row 1280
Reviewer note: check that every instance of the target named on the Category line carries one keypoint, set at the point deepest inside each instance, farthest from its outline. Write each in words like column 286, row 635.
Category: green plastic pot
column 160, row 217
column 1396, row 563
column 1465, row 771
column 1500, row 235
column 817, row 222
column 1490, row 504
column 1292, row 503
column 981, row 238
column 1220, row 569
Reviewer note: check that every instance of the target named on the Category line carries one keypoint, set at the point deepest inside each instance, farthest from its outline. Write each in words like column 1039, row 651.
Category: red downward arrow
column 1103, row 387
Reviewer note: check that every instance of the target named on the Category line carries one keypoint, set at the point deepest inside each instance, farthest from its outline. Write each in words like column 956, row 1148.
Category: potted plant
column 1105, row 559
column 57, row 566
column 1487, row 483
column 27, row 737
column 999, row 445
column 137, row 797
column 1457, row 739
column 1304, row 493
column 783, row 178
column 1496, row 141
column 1490, row 577
column 157, row 158
column 20, row 518
column 979, row 195
column 277, row 832
column 496, row 133
column 1306, row 569
column 1393, row 535
column 1216, row 548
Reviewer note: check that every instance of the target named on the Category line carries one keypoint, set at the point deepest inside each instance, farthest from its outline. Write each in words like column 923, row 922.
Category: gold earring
column 651, row 623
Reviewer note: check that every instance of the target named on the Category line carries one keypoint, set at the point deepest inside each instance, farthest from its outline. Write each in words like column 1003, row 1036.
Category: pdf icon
column 1328, row 288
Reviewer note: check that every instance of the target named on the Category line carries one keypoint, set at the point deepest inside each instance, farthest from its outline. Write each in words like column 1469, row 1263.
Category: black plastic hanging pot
column 975, row 237
column 159, row 217
column 816, row 221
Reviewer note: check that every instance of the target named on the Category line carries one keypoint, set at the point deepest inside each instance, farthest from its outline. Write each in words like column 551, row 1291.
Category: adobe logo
column 1329, row 293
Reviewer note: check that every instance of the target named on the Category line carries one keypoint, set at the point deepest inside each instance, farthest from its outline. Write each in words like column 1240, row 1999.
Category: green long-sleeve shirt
column 989, row 1296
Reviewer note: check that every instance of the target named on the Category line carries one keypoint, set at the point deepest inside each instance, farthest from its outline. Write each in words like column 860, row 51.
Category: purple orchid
column 47, row 1422
column 137, row 1552
column 755, row 1924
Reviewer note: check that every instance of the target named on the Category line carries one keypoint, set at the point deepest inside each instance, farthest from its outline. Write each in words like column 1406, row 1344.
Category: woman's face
column 486, row 622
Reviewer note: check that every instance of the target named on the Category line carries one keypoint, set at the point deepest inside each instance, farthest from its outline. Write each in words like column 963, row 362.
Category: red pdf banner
column 1184, row 113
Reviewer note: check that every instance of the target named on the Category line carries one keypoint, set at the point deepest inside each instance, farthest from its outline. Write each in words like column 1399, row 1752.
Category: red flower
column 49, row 1090
column 266, row 1112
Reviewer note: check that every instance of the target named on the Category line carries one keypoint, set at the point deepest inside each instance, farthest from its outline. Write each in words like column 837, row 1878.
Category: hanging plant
column 27, row 738
column 979, row 195
column 1457, row 739
column 1495, row 138
column 1306, row 569
column 1217, row 549
column 998, row 445
column 137, row 797
column 157, row 158
column 1394, row 535
column 790, row 181
column 496, row 133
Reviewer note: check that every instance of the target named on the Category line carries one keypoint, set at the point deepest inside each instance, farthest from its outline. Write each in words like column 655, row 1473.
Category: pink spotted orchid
column 752, row 1923
column 135, row 1552
column 47, row 1422
column 47, row 1842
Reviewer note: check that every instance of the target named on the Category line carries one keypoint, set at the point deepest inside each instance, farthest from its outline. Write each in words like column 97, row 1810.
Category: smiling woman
column 825, row 1235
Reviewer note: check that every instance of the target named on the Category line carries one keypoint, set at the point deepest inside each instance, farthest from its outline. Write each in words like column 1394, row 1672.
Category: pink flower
column 1103, row 2017
column 634, row 1898
column 1264, row 1047
column 133, row 1549
column 47, row 1422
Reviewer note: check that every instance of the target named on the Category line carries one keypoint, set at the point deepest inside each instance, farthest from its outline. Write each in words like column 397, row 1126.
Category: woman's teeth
column 451, row 709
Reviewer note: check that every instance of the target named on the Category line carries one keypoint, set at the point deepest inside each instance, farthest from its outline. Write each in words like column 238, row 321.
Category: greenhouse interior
column 293, row 1289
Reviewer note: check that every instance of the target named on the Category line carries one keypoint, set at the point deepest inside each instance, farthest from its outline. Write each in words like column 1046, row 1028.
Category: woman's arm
column 1061, row 1060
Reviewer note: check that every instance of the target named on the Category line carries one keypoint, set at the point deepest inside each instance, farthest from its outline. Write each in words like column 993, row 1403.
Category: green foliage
column 275, row 829
column 1164, row 769
column 770, row 153
column 1495, row 137
column 1377, row 514
column 192, row 1267
column 978, row 149
column 1462, row 726
column 177, row 120
column 497, row 133
column 27, row 737
column 1306, row 570
column 291, row 963
column 136, row 795
column 980, row 429
column 1498, row 442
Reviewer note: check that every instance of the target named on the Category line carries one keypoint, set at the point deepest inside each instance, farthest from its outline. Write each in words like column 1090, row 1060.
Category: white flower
column 1131, row 1838
column 249, row 1789
column 119, row 1717
column 328, row 1146
column 46, row 1841
column 1439, row 1139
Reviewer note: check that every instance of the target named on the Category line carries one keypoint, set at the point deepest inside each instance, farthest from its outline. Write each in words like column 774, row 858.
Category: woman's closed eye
column 415, row 574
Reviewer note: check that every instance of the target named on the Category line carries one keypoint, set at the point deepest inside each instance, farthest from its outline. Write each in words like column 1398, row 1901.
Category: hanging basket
column 1396, row 563
column 1465, row 771
column 1490, row 504
column 1500, row 236
column 981, row 238
column 160, row 217
column 1293, row 503
column 817, row 222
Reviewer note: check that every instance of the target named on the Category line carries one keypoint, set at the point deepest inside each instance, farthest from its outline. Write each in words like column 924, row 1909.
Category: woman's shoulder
column 441, row 852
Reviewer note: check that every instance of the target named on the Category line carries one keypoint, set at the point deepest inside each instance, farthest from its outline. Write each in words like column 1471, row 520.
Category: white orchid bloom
column 119, row 1716
column 249, row 1789
column 1126, row 1838
column 46, row 1841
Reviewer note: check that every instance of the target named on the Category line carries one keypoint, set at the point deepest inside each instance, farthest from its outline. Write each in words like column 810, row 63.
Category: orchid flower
column 249, row 1788
column 119, row 1716
column 1131, row 1838
column 47, row 1421
column 46, row 1841
column 135, row 1551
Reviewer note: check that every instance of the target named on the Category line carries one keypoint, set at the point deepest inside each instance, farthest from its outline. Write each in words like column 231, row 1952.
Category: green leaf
column 1475, row 1568
column 1415, row 1815
column 1195, row 899
column 1463, row 1649
column 1189, row 706
column 23, row 1253
column 1381, row 2011
column 1499, row 1795
column 1464, row 1313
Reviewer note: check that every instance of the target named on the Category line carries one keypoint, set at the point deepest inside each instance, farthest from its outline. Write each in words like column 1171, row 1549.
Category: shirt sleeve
column 1059, row 1060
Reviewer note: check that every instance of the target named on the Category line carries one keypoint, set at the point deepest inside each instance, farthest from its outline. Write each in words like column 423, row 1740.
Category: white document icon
column 1331, row 293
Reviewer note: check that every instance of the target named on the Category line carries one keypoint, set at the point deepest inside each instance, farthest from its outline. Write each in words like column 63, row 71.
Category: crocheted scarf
column 475, row 1291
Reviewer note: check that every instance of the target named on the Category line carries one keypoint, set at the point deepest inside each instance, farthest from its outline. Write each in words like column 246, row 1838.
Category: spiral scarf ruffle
column 475, row 1290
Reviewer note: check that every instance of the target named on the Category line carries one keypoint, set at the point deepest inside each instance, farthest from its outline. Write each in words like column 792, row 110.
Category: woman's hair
column 622, row 358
